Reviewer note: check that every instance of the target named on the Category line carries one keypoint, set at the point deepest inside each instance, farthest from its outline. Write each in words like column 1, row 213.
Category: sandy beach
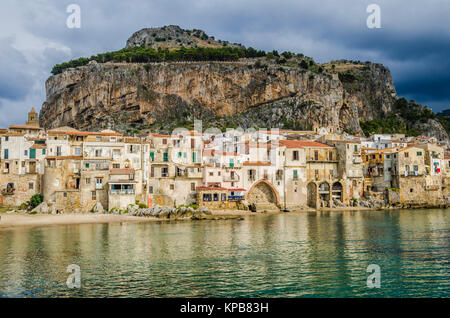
column 19, row 219
column 15, row 220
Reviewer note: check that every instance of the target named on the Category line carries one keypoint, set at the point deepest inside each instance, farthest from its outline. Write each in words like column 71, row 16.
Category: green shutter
column 179, row 154
column 295, row 174
column 166, row 157
column 231, row 162
column 6, row 154
column 193, row 157
column 43, row 151
column 32, row 153
column 152, row 155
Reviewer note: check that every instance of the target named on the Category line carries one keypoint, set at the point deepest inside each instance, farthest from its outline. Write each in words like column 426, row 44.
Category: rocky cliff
column 259, row 92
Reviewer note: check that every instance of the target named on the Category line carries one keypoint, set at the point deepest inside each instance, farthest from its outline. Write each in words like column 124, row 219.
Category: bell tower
column 32, row 118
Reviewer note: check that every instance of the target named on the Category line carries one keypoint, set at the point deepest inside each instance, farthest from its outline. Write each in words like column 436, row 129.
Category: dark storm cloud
column 414, row 40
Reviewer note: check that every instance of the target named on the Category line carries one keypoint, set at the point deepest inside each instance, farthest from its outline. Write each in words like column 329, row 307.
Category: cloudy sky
column 413, row 41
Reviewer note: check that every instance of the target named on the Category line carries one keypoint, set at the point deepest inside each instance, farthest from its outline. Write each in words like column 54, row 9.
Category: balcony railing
column 122, row 191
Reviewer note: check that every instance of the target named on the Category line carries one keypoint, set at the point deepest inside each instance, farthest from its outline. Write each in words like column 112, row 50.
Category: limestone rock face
column 172, row 36
column 109, row 95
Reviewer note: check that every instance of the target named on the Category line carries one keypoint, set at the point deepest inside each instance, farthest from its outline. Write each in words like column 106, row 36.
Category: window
column 279, row 174
column 295, row 174
column 152, row 156
column 6, row 138
column 216, row 197
column 251, row 174
column 58, row 151
column 295, row 155
column 194, row 157
column 30, row 186
column 152, row 172
column 150, row 189
column 223, row 197
column 316, row 155
column 164, row 141
column 207, row 197
column 88, row 180
column 356, row 148
column 193, row 186
column 166, row 157
column 6, row 154
column 98, row 152
column 211, row 174
column 65, row 194
column 99, row 183
column 179, row 154
column 172, row 187
column 219, row 173
column 192, row 143
column 164, row 172
column 406, row 154
column 25, row 152
column 77, row 151
column 419, row 153
column 330, row 156
column 94, row 195
column 43, row 151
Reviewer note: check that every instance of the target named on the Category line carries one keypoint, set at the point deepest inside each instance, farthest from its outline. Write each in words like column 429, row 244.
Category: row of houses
column 77, row 170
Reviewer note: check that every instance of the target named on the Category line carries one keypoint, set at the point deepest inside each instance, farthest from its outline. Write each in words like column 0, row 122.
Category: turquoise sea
column 323, row 254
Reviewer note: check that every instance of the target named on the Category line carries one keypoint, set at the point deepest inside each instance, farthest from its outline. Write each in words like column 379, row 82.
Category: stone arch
column 312, row 194
column 263, row 191
column 337, row 191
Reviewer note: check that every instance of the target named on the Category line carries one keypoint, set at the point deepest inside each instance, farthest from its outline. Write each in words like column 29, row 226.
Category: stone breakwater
column 173, row 213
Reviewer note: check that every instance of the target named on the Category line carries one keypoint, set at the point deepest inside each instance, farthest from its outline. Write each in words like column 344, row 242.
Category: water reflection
column 289, row 255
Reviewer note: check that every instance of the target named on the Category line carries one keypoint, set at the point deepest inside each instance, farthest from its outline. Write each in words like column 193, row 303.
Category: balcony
column 122, row 191
column 8, row 191
column 99, row 186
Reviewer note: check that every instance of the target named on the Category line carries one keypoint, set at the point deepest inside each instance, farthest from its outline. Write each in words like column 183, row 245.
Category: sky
column 413, row 40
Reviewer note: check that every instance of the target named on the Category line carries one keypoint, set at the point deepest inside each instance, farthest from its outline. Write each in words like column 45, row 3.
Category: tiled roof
column 256, row 163
column 38, row 146
column 121, row 171
column 210, row 188
column 303, row 144
column 83, row 133
column 24, row 127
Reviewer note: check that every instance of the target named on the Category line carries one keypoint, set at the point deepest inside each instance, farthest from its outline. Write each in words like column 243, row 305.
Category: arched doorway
column 324, row 192
column 262, row 193
column 312, row 195
column 337, row 191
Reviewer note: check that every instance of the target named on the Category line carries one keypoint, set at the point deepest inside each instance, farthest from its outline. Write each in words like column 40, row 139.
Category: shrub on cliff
column 141, row 54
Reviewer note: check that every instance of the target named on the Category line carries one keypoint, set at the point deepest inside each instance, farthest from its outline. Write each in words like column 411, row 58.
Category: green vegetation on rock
column 148, row 55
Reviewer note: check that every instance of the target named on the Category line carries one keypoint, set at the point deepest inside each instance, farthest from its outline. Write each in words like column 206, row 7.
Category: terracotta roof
column 210, row 188
column 256, row 163
column 132, row 140
column 38, row 146
column 82, row 133
column 159, row 135
column 64, row 157
column 121, row 171
column 24, row 127
column 10, row 134
column 237, row 190
column 303, row 144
